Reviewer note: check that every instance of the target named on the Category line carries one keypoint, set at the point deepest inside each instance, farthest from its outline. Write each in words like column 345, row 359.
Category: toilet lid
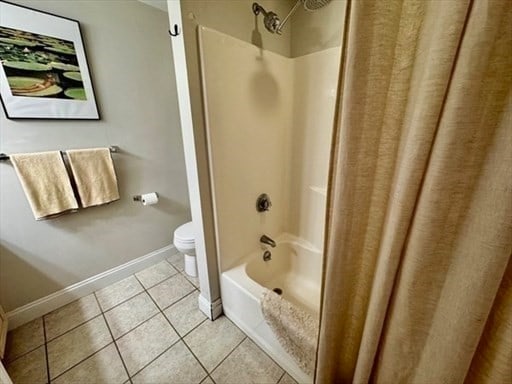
column 185, row 233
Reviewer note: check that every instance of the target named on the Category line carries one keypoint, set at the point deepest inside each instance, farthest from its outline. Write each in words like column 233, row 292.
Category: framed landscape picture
column 43, row 67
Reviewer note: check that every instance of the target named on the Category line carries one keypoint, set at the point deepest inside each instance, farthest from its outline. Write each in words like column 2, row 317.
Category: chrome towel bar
column 113, row 149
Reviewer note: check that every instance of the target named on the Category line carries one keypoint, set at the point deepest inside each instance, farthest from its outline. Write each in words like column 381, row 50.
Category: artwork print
column 44, row 73
column 40, row 66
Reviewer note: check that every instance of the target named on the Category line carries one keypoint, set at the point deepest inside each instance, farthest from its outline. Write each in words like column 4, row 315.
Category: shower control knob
column 263, row 203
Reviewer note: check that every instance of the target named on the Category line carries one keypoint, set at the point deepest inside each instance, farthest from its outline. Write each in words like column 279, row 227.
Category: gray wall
column 318, row 30
column 306, row 32
column 235, row 18
column 130, row 60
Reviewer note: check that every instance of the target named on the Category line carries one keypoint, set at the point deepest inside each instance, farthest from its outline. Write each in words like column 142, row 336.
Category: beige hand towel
column 46, row 183
column 94, row 175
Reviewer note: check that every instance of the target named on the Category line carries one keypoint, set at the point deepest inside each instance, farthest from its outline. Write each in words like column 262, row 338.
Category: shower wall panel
column 269, row 123
column 248, row 111
column 315, row 88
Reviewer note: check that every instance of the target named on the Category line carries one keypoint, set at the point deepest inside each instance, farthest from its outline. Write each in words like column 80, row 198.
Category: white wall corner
column 211, row 309
column 44, row 305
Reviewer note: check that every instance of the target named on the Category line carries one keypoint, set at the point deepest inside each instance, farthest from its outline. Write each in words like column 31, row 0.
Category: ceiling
column 160, row 4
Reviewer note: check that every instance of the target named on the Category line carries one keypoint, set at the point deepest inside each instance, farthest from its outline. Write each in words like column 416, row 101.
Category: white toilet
column 184, row 241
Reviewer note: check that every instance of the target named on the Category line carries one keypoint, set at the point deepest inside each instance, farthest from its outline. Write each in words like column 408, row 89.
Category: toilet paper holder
column 139, row 197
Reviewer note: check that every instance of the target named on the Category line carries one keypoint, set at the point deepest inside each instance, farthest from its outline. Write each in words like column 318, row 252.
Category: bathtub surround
column 234, row 18
column 287, row 109
column 268, row 136
column 418, row 271
column 131, row 64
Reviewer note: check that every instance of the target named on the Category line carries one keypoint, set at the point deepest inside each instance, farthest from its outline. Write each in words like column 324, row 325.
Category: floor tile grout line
column 162, row 311
column 137, row 326
column 270, row 357
column 229, row 354
column 121, row 302
column 284, row 373
column 166, row 308
column 256, row 344
column 144, row 289
column 48, row 380
column 195, row 357
column 74, row 328
column 185, row 343
column 161, row 281
column 7, row 361
column 114, row 341
column 194, row 328
column 176, row 268
column 184, row 274
column 46, row 340
column 174, row 302
column 81, row 361
column 153, row 360
column 179, row 336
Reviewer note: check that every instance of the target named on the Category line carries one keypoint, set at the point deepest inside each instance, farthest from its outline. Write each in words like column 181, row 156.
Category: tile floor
column 145, row 329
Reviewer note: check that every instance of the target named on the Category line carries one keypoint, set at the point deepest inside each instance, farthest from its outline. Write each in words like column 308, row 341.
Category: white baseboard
column 212, row 310
column 40, row 307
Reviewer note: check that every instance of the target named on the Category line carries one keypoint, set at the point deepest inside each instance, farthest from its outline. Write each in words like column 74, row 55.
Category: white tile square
column 170, row 290
column 128, row 315
column 212, row 341
column 144, row 343
column 70, row 316
column 30, row 368
column 156, row 274
column 24, row 339
column 176, row 365
column 116, row 293
column 178, row 261
column 247, row 364
column 192, row 279
column 185, row 314
column 76, row 345
column 104, row 367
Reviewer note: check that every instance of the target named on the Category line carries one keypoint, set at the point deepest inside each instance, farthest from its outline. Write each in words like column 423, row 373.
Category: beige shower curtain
column 417, row 275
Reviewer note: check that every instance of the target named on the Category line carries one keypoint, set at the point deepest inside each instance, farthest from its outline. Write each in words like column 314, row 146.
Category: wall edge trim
column 44, row 305
column 211, row 309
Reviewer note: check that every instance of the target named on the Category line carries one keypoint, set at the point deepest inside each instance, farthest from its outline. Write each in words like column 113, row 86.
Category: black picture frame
column 44, row 72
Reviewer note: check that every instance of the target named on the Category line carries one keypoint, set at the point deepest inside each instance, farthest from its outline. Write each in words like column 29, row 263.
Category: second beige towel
column 94, row 174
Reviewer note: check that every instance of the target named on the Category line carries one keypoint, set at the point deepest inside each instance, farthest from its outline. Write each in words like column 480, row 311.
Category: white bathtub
column 296, row 268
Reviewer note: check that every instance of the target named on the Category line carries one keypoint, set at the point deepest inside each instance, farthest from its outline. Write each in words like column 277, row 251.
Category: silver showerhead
column 272, row 21
column 313, row 5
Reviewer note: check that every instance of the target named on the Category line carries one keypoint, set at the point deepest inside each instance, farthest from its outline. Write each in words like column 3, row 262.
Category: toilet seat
column 185, row 234
column 184, row 239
